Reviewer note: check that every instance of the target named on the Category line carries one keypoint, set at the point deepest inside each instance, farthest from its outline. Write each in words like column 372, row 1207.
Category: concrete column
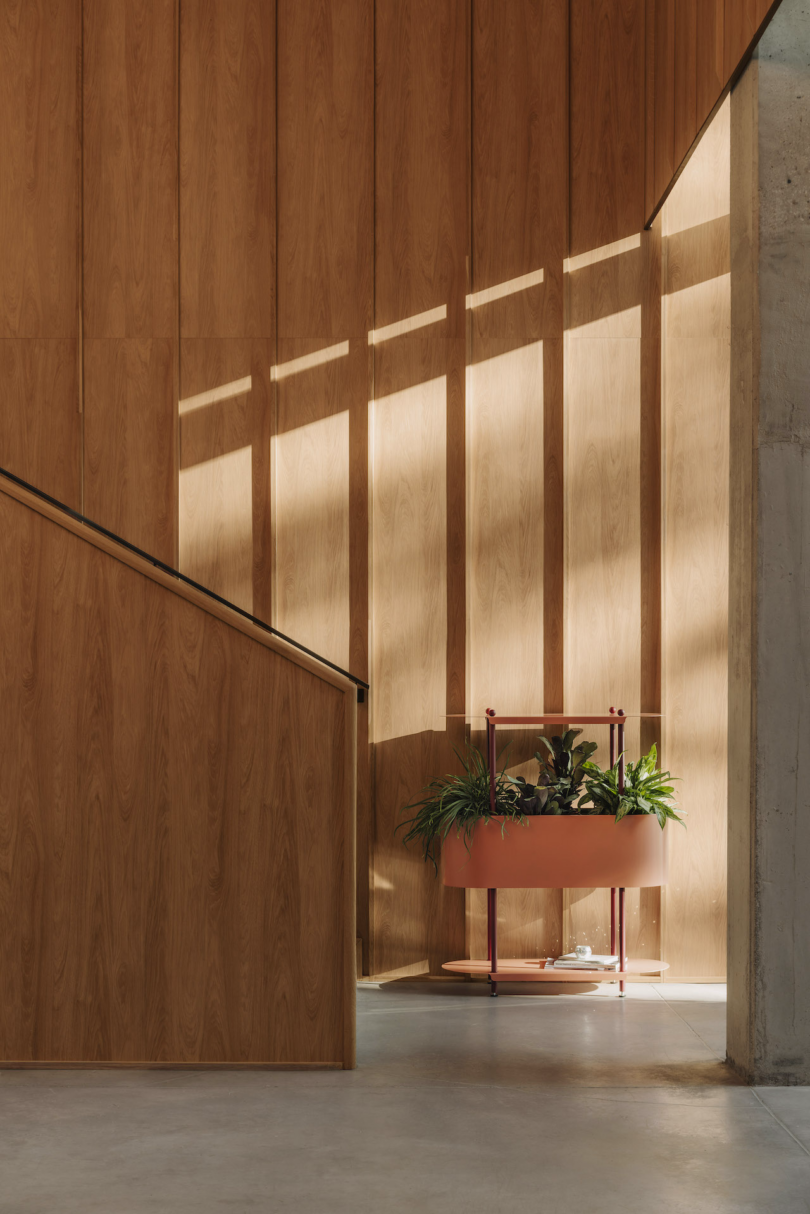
column 769, row 677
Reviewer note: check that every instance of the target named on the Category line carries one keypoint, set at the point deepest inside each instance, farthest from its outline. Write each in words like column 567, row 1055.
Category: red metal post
column 493, row 956
column 621, row 752
column 492, row 759
column 622, row 939
column 612, row 741
column 612, row 921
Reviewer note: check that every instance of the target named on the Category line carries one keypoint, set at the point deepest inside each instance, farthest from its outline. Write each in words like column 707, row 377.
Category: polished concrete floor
column 543, row 1103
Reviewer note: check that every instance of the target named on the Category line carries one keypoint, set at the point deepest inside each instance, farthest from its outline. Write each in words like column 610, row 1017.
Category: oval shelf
column 512, row 969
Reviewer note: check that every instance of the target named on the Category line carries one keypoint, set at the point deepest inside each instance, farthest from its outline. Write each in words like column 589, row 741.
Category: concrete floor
column 554, row 1102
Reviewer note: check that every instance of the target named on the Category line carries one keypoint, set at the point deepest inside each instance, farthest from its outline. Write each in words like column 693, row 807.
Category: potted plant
column 459, row 803
column 576, row 827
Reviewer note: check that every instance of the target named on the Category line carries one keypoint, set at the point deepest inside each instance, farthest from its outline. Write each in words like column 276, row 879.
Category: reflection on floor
column 554, row 1102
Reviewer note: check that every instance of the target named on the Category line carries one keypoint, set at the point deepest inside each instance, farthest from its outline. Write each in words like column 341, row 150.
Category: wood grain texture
column 210, row 523
column 227, row 294
column 421, row 243
column 130, row 440
column 130, row 169
column 325, row 91
column 421, row 192
column 130, row 301
column 519, row 209
column 686, row 57
column 227, row 159
column 607, row 121
column 744, row 20
column 40, row 424
column 603, row 527
column 696, row 560
column 325, row 136
column 743, row 559
column 312, row 521
column 661, row 68
column 709, row 71
column 650, row 451
column 40, row 434
column 170, row 896
column 39, row 182
column 695, row 49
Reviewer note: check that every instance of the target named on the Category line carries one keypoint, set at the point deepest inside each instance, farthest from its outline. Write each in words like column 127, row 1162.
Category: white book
column 597, row 961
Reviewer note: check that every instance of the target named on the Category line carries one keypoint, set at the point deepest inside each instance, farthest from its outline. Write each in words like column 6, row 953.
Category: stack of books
column 597, row 961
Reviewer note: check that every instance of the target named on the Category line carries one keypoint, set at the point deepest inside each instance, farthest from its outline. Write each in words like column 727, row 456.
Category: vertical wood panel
column 210, row 525
column 312, row 518
column 174, row 867
column 129, row 440
column 607, row 121
column 130, row 269
column 697, row 368
column 325, row 290
column 663, row 119
column 694, row 48
column 519, row 207
column 709, row 71
column 227, row 284
column 686, row 54
column 324, row 283
column 227, row 178
column 603, row 573
column 422, row 56
column 742, row 21
column 39, row 236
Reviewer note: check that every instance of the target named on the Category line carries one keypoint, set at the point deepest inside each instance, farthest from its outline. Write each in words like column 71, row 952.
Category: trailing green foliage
column 562, row 770
column 646, row 791
column 458, row 801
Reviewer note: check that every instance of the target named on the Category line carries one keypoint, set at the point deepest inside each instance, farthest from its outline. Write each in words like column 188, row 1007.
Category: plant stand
column 644, row 864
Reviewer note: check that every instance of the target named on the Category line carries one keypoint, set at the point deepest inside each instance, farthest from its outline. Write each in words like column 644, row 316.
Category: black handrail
column 181, row 577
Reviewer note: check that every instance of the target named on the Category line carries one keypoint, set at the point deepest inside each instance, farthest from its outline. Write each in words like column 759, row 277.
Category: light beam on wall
column 409, row 325
column 237, row 387
column 503, row 289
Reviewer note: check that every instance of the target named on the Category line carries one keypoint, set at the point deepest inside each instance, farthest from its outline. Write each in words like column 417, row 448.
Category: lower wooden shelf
column 512, row 969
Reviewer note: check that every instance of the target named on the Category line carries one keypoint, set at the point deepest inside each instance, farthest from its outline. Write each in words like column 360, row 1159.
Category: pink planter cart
column 550, row 852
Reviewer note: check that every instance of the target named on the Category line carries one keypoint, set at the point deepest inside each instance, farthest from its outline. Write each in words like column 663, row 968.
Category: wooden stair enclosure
column 177, row 818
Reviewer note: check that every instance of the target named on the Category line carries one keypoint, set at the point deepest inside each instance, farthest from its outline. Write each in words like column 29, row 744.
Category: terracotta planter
column 558, row 853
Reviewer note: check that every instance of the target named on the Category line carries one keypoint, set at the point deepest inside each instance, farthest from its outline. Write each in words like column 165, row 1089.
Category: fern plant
column 562, row 771
column 458, row 801
column 646, row 791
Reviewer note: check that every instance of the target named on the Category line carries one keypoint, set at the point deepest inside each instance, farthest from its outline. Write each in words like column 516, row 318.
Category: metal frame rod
column 622, row 939
column 492, row 926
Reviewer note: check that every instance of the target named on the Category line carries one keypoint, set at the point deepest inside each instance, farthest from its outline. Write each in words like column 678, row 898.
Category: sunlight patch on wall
column 409, row 325
column 237, row 387
column 409, row 572
column 604, row 253
column 505, row 559
column 503, row 289
column 696, row 419
column 311, row 480
column 703, row 191
column 216, row 525
column 307, row 361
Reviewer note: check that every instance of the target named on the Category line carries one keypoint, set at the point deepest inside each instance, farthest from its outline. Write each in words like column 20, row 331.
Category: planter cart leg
column 492, row 939
column 622, row 940
column 622, row 925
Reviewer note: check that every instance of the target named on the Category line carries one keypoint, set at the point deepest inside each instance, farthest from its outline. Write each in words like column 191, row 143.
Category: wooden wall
column 695, row 50
column 696, row 437
column 347, row 307
column 177, row 859
column 40, row 215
